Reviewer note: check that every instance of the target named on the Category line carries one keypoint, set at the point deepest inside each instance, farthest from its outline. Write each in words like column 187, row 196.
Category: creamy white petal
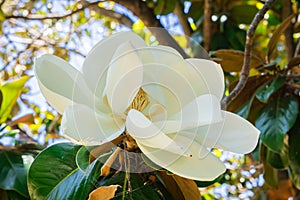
column 60, row 81
column 203, row 110
column 238, row 135
column 55, row 100
column 204, row 168
column 85, row 125
column 170, row 79
column 233, row 134
column 124, row 78
column 146, row 133
column 211, row 73
column 98, row 59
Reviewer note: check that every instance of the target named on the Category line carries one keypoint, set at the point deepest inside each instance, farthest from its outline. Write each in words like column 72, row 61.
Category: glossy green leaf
column 164, row 7
column 265, row 91
column 294, row 154
column 139, row 188
column 235, row 36
column 55, row 175
column 244, row 110
column 13, row 173
column 276, row 119
column 273, row 19
column 219, row 41
column 257, row 152
column 247, row 93
column 196, row 10
column 16, row 196
column 10, row 93
column 208, row 183
column 83, row 158
column 243, row 14
column 277, row 160
column 270, row 175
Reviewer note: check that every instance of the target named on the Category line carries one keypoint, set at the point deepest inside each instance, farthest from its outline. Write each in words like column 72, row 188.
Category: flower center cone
column 140, row 102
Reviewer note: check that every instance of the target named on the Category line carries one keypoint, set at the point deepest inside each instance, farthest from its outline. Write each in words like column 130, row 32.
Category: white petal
column 233, row 134
column 83, row 124
column 97, row 61
column 124, row 78
column 211, row 73
column 171, row 80
column 203, row 110
column 206, row 168
column 146, row 133
column 238, row 135
column 55, row 100
column 61, row 84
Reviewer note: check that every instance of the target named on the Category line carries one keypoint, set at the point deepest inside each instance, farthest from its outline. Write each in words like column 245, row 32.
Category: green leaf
column 235, row 36
column 2, row 15
column 13, row 173
column 164, row 7
column 257, row 152
column 294, row 153
column 208, row 183
column 219, row 41
column 16, row 196
column 272, row 45
column 196, row 10
column 10, row 93
column 270, row 173
column 247, row 93
column 243, row 14
column 276, row 119
column 139, row 189
column 83, row 158
column 264, row 92
column 244, row 110
column 55, row 175
column 277, row 160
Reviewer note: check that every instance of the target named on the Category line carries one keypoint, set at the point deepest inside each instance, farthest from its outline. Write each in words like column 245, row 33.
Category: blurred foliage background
column 69, row 28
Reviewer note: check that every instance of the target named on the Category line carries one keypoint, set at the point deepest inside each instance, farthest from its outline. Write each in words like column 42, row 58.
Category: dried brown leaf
column 250, row 88
column 272, row 45
column 103, row 192
column 232, row 60
column 105, row 169
column 188, row 188
column 28, row 119
column 181, row 188
column 98, row 151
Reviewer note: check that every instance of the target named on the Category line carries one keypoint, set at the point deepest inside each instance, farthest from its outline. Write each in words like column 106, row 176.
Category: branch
column 207, row 24
column 183, row 19
column 1, row 3
column 41, row 17
column 122, row 19
column 146, row 14
column 247, row 56
column 288, row 33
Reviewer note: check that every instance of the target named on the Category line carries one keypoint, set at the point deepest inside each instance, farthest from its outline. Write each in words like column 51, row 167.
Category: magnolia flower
column 167, row 105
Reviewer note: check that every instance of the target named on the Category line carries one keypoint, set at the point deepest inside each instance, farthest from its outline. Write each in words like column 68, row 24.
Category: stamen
column 140, row 102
